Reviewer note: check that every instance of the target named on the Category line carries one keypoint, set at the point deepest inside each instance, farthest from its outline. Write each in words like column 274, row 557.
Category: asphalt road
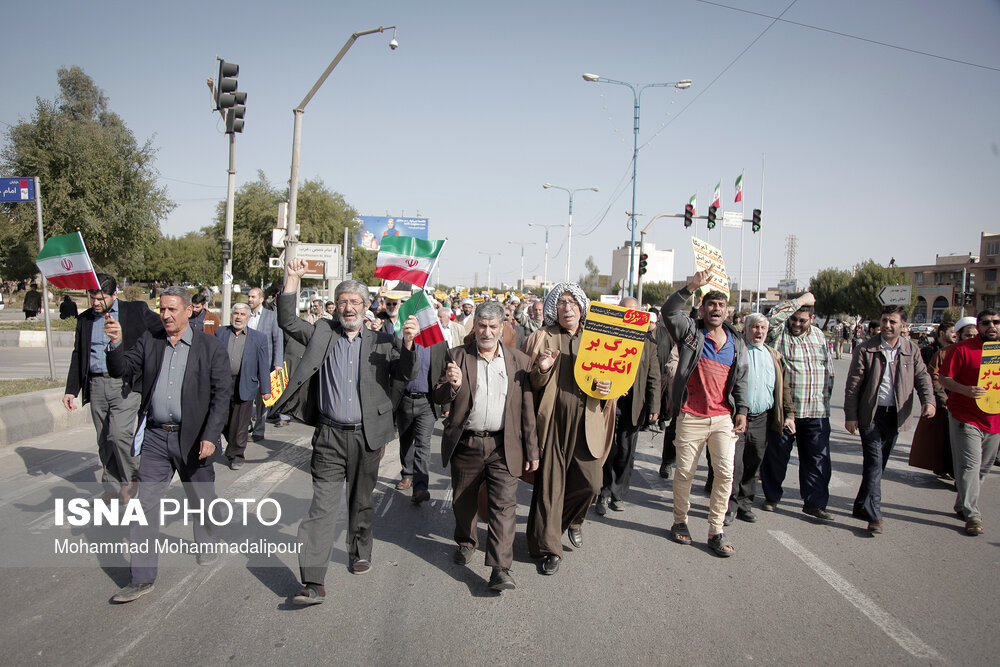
column 796, row 592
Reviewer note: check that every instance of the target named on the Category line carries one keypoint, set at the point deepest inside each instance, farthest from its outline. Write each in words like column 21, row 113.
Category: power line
column 850, row 36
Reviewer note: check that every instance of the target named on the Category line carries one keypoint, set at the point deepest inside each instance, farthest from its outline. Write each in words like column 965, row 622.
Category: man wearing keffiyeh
column 574, row 430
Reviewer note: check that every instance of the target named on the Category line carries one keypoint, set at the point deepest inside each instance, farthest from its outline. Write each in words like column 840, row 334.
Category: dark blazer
column 255, row 372
column 520, row 440
column 439, row 360
column 646, row 388
column 204, row 393
column 135, row 318
column 383, row 358
column 269, row 327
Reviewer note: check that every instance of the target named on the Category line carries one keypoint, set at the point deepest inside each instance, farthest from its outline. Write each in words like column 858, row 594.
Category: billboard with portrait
column 374, row 227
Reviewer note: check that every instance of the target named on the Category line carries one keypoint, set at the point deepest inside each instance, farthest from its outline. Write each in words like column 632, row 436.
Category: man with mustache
column 342, row 387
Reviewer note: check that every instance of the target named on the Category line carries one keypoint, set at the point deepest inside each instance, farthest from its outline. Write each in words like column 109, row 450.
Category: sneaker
column 131, row 592
column 361, row 566
column 501, row 580
column 617, row 505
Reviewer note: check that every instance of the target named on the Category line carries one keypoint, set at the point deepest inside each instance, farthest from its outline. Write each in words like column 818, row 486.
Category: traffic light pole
column 642, row 249
column 227, row 252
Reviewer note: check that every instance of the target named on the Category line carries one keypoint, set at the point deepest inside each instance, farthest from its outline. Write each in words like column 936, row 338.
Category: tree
column 657, row 293
column 94, row 176
column 589, row 282
column 829, row 286
column 869, row 279
column 322, row 216
column 192, row 258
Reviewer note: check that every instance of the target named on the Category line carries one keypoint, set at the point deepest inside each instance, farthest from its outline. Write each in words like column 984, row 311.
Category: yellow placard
column 610, row 348
column 709, row 257
column 989, row 379
column 279, row 380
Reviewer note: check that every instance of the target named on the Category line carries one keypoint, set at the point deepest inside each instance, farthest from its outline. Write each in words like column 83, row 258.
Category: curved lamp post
column 569, row 230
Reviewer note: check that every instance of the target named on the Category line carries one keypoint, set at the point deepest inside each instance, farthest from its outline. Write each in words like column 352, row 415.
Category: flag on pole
column 739, row 188
column 65, row 263
column 717, row 197
column 430, row 327
column 694, row 204
column 407, row 258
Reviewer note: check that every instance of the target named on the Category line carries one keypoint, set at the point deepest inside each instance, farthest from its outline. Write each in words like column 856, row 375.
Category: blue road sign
column 17, row 189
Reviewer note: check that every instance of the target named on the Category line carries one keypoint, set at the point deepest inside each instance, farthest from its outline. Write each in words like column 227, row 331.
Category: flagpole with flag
column 694, row 211
column 407, row 258
column 743, row 214
column 430, row 327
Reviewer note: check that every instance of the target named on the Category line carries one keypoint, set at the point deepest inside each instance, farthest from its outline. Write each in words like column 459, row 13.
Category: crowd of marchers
column 165, row 392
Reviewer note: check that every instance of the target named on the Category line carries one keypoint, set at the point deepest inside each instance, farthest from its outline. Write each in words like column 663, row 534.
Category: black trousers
column 621, row 459
column 750, row 448
column 236, row 428
column 415, row 423
column 338, row 457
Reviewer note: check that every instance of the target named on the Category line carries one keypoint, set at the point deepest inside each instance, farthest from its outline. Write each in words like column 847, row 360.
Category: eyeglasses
column 798, row 320
column 567, row 303
column 986, row 323
column 344, row 303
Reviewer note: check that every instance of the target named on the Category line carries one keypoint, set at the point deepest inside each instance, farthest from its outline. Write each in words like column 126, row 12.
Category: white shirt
column 887, row 386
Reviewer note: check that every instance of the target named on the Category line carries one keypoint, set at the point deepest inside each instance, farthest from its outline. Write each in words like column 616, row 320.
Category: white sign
column 895, row 295
column 328, row 252
column 708, row 257
column 277, row 238
column 732, row 219
column 275, row 263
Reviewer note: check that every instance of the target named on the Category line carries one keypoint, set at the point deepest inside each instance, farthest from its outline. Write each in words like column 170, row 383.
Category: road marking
column 887, row 623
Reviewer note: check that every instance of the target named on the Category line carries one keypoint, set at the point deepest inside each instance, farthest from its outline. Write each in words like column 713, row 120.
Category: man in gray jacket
column 878, row 400
column 710, row 404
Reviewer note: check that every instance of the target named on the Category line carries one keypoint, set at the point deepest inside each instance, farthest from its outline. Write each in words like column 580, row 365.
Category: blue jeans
column 876, row 445
column 812, row 436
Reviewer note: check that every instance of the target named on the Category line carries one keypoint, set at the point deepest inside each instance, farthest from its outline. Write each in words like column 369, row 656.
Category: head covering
column 468, row 301
column 550, row 301
column 514, row 299
column 652, row 317
column 964, row 322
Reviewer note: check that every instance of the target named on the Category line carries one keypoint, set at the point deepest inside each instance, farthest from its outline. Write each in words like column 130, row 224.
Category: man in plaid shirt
column 810, row 373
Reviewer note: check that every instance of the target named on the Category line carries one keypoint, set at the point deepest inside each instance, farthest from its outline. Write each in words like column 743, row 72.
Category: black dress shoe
column 464, row 554
column 131, row 592
column 420, row 495
column 501, row 580
column 600, row 506
column 550, row 564
column 728, row 519
column 617, row 505
column 665, row 471
column 818, row 513
column 746, row 515
column 575, row 536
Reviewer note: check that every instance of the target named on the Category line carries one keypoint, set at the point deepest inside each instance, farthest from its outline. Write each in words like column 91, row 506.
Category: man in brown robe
column 574, row 430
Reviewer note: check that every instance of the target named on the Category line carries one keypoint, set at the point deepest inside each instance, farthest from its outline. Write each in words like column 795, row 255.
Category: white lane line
column 887, row 623
column 387, row 504
column 445, row 505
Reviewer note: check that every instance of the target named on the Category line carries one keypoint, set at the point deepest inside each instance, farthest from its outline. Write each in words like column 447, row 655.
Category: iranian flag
column 694, row 204
column 717, row 197
column 418, row 306
column 739, row 188
column 407, row 258
column 65, row 263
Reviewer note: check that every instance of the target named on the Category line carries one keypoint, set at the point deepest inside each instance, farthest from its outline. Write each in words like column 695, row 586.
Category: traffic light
column 755, row 227
column 227, row 250
column 643, row 260
column 711, row 216
column 688, row 215
column 226, row 96
column 969, row 299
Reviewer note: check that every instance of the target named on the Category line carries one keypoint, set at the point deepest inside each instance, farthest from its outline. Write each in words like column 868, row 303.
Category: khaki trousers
column 693, row 433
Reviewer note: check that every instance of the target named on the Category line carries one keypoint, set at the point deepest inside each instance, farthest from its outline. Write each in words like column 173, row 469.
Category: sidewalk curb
column 37, row 413
column 19, row 338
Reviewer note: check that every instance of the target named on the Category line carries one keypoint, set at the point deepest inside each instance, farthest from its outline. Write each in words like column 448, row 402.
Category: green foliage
column 830, row 288
column 364, row 265
column 321, row 213
column 953, row 314
column 589, row 281
column 192, row 258
column 869, row 278
column 656, row 293
column 93, row 174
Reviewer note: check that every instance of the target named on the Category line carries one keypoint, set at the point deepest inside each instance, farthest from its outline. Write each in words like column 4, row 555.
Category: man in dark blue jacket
column 251, row 375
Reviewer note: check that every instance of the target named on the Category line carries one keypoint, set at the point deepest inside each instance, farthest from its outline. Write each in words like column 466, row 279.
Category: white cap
column 964, row 322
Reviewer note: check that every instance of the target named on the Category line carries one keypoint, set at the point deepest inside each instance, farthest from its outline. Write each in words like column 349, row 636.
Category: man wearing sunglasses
column 975, row 434
column 810, row 375
column 878, row 399
column 112, row 407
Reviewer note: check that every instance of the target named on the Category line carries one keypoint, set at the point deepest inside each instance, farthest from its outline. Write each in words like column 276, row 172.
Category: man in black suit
column 491, row 438
column 112, row 407
column 342, row 387
column 180, row 427
column 266, row 322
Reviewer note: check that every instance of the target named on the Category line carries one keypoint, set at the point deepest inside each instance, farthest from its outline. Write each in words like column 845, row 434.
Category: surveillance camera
column 394, row 44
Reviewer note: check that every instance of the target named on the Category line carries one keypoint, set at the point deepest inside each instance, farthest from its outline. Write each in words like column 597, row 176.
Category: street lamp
column 569, row 230
column 637, row 95
column 520, row 284
column 545, row 273
column 292, row 240
column 489, row 270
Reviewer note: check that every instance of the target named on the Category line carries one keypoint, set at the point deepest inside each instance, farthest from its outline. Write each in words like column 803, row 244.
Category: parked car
column 306, row 295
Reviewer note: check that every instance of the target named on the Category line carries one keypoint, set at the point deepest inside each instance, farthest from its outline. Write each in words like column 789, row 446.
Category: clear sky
column 869, row 150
